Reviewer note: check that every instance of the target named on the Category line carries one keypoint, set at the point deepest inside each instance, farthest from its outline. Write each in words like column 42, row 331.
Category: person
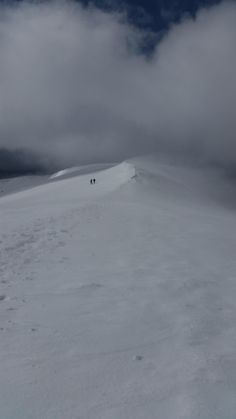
column 94, row 181
column 91, row 181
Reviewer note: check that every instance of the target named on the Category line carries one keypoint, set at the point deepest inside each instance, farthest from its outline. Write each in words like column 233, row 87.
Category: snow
column 18, row 183
column 118, row 300
column 90, row 168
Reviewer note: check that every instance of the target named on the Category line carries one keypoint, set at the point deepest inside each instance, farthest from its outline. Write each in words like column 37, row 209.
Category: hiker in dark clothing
column 91, row 181
column 94, row 181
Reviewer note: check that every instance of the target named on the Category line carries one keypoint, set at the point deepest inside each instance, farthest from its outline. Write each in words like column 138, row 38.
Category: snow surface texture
column 118, row 300
column 16, row 184
column 81, row 170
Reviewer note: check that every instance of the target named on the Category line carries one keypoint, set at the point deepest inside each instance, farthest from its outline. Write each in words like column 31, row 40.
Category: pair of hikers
column 92, row 181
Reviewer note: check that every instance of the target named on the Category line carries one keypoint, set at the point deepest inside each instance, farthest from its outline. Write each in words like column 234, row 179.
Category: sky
column 82, row 85
column 157, row 15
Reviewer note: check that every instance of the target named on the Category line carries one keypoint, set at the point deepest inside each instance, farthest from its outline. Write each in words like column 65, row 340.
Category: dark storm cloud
column 21, row 162
column 75, row 88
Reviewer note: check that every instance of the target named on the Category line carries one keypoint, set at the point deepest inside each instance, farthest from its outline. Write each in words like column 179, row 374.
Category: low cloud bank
column 23, row 162
column 76, row 88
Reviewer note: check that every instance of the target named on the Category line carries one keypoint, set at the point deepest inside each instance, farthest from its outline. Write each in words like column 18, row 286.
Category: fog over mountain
column 76, row 86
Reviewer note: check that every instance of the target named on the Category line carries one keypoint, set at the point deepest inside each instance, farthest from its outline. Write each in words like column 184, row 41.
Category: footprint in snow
column 93, row 285
column 28, row 278
column 138, row 358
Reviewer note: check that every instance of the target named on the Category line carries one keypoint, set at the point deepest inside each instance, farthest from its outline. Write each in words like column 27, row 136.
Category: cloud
column 76, row 88
column 22, row 162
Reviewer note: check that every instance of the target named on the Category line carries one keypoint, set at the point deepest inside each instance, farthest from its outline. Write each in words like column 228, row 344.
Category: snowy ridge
column 81, row 170
column 64, row 172
column 75, row 188
column 118, row 300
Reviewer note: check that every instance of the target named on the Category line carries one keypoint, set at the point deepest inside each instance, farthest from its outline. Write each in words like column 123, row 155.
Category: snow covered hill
column 118, row 300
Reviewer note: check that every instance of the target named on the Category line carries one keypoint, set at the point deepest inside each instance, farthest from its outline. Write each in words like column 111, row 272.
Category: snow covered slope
column 80, row 170
column 20, row 183
column 118, row 300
